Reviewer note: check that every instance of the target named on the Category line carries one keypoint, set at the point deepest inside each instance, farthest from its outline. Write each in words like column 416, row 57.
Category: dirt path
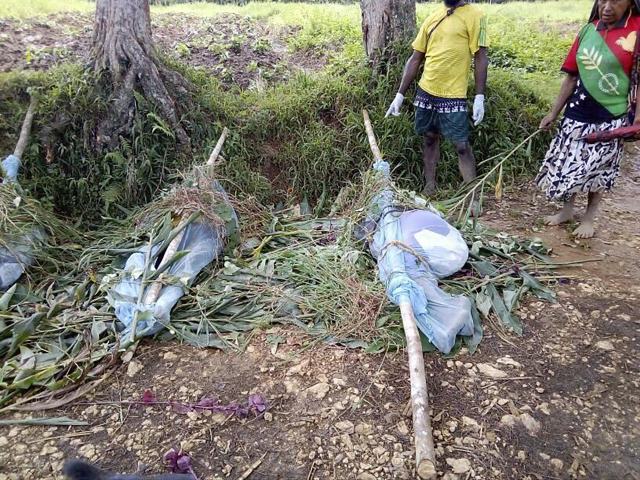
column 560, row 402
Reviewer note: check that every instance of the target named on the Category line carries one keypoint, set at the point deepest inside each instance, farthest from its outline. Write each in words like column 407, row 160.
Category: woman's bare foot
column 585, row 230
column 563, row 216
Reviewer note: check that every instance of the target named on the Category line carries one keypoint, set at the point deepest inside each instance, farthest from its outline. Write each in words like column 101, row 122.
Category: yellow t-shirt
column 449, row 50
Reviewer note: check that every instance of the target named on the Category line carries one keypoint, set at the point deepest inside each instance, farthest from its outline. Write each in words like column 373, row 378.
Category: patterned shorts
column 573, row 166
column 446, row 116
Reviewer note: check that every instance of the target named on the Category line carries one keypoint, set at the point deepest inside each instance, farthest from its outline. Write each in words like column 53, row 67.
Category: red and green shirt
column 602, row 58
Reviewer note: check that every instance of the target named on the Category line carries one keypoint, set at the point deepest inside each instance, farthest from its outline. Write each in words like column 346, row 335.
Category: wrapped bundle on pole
column 155, row 277
column 18, row 236
column 414, row 248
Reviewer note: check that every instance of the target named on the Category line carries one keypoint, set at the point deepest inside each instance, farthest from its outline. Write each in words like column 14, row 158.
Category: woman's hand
column 547, row 121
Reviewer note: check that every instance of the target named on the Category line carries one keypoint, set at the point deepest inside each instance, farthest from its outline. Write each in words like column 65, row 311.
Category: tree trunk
column 385, row 22
column 123, row 51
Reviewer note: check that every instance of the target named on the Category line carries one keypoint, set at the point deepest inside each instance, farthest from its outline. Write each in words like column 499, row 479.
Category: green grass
column 300, row 138
column 34, row 8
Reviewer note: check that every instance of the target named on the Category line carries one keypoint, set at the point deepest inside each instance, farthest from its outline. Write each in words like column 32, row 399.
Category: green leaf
column 474, row 340
column 6, row 298
column 23, row 330
column 537, row 288
column 53, row 421
column 483, row 302
column 508, row 319
column 484, row 268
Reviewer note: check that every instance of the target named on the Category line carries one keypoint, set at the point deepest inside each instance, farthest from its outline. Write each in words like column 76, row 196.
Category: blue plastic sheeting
column 414, row 248
column 10, row 168
column 201, row 242
column 16, row 256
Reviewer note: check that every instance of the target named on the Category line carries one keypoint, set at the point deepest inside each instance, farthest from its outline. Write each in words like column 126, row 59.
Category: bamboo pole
column 154, row 289
column 26, row 129
column 425, row 451
column 218, row 148
column 423, row 436
column 371, row 136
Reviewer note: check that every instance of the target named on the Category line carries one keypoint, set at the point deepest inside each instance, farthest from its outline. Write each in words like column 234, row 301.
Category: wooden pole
column 425, row 451
column 218, row 148
column 423, row 436
column 26, row 129
column 371, row 136
column 153, row 292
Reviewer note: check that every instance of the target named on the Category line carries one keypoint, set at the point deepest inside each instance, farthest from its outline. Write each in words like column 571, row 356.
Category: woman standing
column 598, row 94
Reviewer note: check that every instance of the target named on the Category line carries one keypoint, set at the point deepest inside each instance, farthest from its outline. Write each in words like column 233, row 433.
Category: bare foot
column 585, row 230
column 429, row 190
column 475, row 210
column 563, row 216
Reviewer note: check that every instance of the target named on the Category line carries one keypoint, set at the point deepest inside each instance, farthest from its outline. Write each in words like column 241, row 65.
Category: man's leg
column 586, row 230
column 430, row 158
column 563, row 216
column 466, row 161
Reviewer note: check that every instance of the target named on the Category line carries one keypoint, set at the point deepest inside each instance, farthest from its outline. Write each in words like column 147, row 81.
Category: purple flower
column 257, row 404
column 178, row 462
column 148, row 397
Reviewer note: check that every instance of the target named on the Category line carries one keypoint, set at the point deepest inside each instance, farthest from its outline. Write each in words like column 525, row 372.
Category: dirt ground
column 560, row 402
column 237, row 50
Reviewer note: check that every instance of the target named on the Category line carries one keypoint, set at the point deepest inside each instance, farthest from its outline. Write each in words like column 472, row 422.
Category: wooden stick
column 26, row 129
column 371, row 136
column 252, row 468
column 425, row 451
column 218, row 147
column 153, row 291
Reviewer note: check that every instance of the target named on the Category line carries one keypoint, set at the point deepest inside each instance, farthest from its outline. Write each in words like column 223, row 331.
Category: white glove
column 478, row 109
column 394, row 109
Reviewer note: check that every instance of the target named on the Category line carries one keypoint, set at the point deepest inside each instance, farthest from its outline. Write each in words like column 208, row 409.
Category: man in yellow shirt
column 447, row 42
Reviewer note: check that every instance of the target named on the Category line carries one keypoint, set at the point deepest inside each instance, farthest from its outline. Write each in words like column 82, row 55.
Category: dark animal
column 79, row 470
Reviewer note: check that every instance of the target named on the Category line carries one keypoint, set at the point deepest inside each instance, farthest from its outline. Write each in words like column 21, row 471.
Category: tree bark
column 124, row 53
column 385, row 22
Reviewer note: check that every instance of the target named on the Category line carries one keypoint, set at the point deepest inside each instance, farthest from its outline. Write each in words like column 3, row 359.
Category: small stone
column 557, row 464
column 605, row 345
column 318, row 391
column 364, row 429
column 508, row 420
column 366, row 476
column 459, row 465
column 402, row 428
column 133, row 368
column 544, row 456
column 339, row 382
column 522, row 455
column 490, row 371
column 345, row 426
column 170, row 356
column 298, row 368
column 193, row 416
column 531, row 424
column 470, row 423
column 509, row 361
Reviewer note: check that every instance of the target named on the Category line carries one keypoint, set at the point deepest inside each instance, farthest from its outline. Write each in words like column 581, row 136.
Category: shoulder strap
column 449, row 13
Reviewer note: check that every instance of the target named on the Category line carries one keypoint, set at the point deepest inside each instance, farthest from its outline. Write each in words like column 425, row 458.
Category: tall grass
column 301, row 138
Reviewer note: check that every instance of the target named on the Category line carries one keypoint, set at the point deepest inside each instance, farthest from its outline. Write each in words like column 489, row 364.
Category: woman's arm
column 566, row 90
column 636, row 120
